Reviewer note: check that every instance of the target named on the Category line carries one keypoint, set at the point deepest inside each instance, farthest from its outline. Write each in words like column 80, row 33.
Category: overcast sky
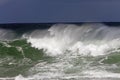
column 38, row 11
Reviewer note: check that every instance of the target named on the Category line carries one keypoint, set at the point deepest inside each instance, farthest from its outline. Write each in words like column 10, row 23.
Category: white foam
column 101, row 74
column 96, row 74
column 77, row 39
column 95, row 50
column 50, row 45
column 20, row 77
column 73, row 40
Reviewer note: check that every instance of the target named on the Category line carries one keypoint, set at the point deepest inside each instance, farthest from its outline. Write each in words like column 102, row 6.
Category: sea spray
column 63, row 51
column 7, row 34
column 93, row 39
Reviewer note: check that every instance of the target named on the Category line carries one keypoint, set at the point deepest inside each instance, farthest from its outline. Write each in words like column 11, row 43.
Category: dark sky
column 27, row 11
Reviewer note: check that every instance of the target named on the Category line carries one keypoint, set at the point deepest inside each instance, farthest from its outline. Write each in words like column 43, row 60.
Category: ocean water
column 90, row 51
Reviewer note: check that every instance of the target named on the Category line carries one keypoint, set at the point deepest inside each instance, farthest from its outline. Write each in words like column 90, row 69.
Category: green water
column 17, row 56
column 60, row 52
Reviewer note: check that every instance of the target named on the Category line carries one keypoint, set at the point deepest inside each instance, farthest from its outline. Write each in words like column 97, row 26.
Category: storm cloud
column 38, row 11
column 3, row 2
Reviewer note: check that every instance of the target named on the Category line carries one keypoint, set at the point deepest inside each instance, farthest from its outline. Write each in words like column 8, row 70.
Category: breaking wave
column 88, row 39
column 89, row 51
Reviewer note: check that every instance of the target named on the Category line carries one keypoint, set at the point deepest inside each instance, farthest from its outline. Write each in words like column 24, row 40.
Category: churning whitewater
column 74, row 52
column 88, row 39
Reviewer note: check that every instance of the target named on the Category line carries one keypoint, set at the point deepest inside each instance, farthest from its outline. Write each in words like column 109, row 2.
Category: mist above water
column 87, row 39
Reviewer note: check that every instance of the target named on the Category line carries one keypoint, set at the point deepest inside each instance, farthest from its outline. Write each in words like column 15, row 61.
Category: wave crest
column 93, row 39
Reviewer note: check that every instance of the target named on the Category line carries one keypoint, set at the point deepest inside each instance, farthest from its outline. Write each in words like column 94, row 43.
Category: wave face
column 62, row 52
